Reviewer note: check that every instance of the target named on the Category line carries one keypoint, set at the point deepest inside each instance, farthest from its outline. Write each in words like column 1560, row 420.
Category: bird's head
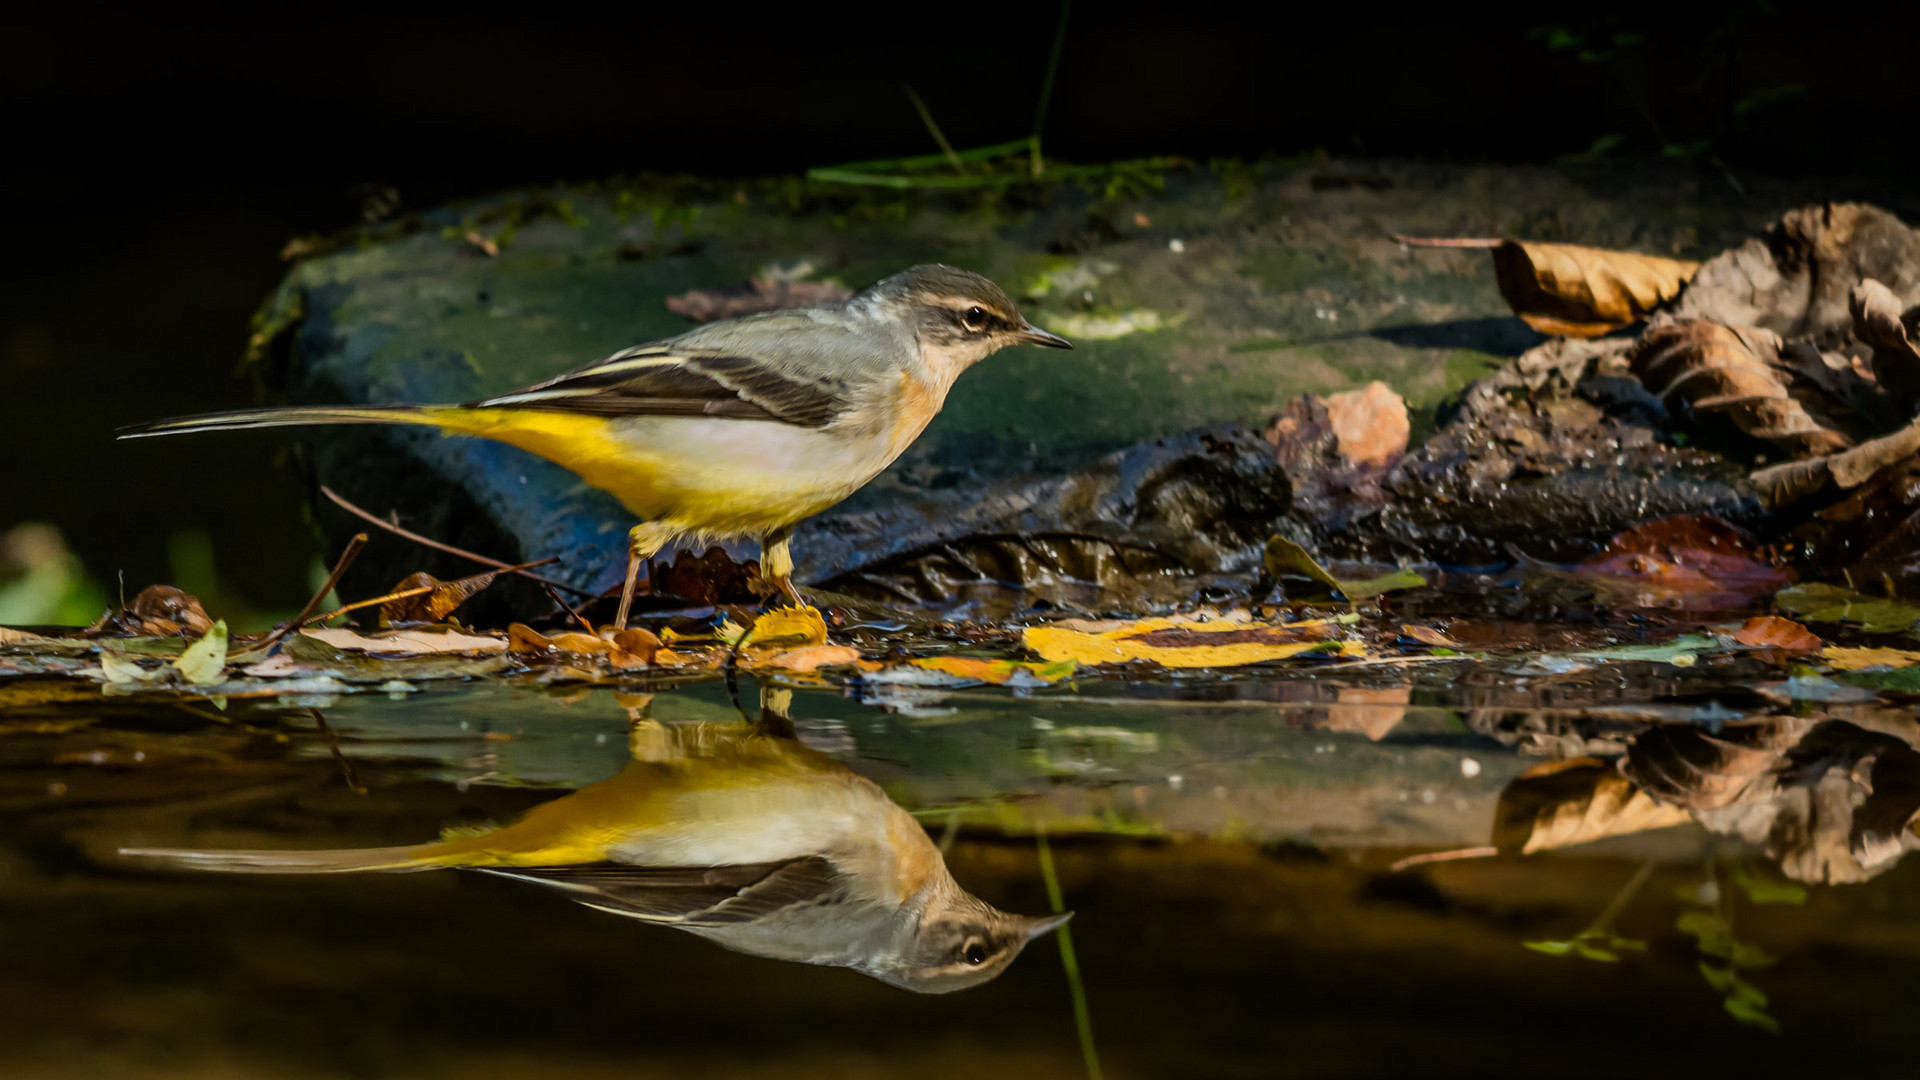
column 960, row 940
column 958, row 316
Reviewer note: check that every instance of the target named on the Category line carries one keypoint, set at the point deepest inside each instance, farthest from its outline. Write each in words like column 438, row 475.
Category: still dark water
column 1228, row 861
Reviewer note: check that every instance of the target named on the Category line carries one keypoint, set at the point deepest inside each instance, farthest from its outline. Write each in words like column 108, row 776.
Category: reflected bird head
column 962, row 941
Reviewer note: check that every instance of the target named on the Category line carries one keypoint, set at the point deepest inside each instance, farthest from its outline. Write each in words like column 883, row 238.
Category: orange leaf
column 1772, row 631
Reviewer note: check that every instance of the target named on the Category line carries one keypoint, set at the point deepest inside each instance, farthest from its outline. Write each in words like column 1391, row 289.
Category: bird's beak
column 1040, row 926
column 1032, row 335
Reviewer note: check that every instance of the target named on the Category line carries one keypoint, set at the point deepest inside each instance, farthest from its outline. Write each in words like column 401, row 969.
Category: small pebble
column 1469, row 768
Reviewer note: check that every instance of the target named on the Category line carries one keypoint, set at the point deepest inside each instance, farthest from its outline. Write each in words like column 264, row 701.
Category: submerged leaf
column 1694, row 562
column 1736, row 371
column 1843, row 658
column 1831, row 603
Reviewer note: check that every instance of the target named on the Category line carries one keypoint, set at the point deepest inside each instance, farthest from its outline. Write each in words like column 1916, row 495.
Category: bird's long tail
column 430, row 415
column 360, row 860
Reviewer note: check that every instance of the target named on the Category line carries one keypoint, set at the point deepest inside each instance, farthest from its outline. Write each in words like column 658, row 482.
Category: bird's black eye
column 976, row 953
column 975, row 318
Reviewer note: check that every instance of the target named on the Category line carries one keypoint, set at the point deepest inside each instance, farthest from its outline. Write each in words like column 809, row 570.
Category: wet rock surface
column 1222, row 295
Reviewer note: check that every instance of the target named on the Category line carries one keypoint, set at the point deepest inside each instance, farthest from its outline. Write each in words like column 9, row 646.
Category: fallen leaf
column 1695, row 562
column 633, row 647
column 1571, row 291
column 118, row 667
column 1879, row 321
column 431, row 607
column 158, row 611
column 18, row 637
column 1847, row 469
column 1000, row 672
column 698, row 659
column 1284, row 558
column 761, row 293
column 1576, row 801
column 205, row 661
column 1187, row 643
column 1427, row 635
column 786, row 628
column 1682, row 651
column 1772, row 631
column 806, row 658
column 1843, row 658
column 1736, row 371
column 405, row 642
column 1831, row 603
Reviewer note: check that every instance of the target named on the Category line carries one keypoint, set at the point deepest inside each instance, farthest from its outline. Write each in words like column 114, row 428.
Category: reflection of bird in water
column 737, row 833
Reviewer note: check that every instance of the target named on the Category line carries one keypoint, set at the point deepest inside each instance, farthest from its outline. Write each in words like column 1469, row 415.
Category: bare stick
column 422, row 591
column 1443, row 856
column 926, row 118
column 436, row 545
column 1446, row 242
column 339, row 569
column 568, row 608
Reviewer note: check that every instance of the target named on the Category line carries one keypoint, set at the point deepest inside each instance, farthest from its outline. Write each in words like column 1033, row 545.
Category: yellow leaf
column 998, row 672
column 1187, row 643
column 1846, row 659
column 786, row 628
column 205, row 661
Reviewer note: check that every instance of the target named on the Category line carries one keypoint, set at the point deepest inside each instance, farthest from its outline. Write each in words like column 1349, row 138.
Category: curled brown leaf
column 435, row 604
column 1733, row 371
column 1878, row 320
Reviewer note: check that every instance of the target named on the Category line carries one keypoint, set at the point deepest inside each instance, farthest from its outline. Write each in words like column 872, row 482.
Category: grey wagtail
column 743, row 836
column 739, row 428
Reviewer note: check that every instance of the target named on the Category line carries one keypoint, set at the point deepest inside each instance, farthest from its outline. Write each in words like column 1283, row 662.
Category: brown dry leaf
column 158, row 611
column 433, row 606
column 1427, row 635
column 689, row 659
column 1189, row 643
column 1849, row 659
column 634, row 647
column 1572, row 291
column 1878, row 320
column 760, row 294
column 1576, row 801
column 1848, row 469
column 1735, row 371
column 17, row 637
column 1774, row 632
column 406, row 642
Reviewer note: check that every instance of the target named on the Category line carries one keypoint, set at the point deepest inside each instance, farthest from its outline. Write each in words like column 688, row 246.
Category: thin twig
column 422, row 590
column 926, row 117
column 436, row 545
column 339, row 569
column 568, row 608
column 1443, row 856
column 1446, row 241
column 347, row 766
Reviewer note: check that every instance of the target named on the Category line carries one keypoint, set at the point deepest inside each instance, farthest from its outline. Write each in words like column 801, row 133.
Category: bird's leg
column 776, row 565
column 645, row 541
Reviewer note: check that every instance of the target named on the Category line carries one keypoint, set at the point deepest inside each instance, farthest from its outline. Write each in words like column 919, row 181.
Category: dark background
column 155, row 161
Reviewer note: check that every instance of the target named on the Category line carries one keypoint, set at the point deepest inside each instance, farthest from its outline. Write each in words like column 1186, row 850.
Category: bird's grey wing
column 691, row 896
column 792, row 367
